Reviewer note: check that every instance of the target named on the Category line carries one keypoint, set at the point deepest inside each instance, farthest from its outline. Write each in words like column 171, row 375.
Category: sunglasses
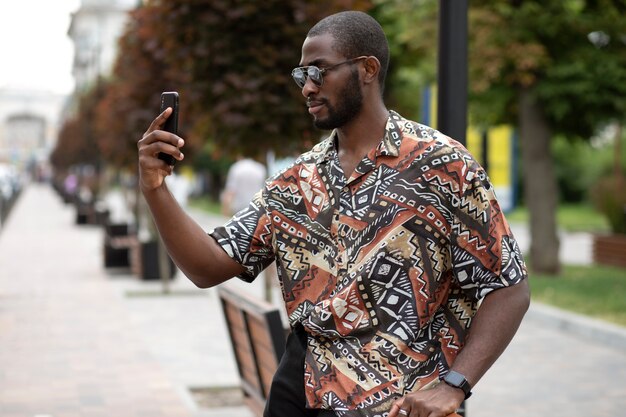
column 300, row 74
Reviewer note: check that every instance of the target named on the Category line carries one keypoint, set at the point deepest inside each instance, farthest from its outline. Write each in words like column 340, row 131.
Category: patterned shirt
column 385, row 270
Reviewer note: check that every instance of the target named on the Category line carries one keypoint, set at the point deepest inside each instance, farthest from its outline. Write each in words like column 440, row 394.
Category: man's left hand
column 440, row 401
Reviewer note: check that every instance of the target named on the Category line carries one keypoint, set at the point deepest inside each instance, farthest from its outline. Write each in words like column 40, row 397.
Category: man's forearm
column 194, row 252
column 493, row 328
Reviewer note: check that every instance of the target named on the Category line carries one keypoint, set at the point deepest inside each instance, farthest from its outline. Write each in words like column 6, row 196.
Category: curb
column 600, row 331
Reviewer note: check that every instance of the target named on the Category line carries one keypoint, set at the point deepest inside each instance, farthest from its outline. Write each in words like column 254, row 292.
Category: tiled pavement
column 76, row 340
column 67, row 345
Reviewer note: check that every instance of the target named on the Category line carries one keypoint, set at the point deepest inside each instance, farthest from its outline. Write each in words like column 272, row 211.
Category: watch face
column 454, row 378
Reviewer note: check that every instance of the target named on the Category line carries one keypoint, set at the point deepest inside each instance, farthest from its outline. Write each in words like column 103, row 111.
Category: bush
column 610, row 199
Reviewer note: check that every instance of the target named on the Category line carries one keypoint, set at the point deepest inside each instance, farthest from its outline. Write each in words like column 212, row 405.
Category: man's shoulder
column 420, row 133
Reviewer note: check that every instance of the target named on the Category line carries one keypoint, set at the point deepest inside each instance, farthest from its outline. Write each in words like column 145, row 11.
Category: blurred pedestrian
column 180, row 187
column 70, row 184
column 401, row 278
column 245, row 178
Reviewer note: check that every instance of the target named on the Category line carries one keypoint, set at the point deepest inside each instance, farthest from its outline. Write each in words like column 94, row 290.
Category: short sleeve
column 485, row 254
column 247, row 238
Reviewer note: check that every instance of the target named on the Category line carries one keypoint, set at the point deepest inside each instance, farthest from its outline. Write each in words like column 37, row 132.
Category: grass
column 595, row 291
column 570, row 217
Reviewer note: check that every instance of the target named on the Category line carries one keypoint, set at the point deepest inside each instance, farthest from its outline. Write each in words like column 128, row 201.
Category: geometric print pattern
column 384, row 269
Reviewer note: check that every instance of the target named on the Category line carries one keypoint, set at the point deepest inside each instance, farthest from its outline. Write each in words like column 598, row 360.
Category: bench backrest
column 258, row 339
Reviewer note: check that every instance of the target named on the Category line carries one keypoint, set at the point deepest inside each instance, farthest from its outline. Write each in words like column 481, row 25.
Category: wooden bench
column 258, row 339
column 610, row 250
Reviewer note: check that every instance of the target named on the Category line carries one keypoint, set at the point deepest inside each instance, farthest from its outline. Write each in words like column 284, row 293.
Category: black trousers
column 287, row 398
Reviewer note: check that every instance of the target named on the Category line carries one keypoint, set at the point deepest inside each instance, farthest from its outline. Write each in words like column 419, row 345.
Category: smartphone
column 169, row 99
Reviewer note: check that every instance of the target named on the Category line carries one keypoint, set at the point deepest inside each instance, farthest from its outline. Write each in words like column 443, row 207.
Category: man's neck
column 362, row 134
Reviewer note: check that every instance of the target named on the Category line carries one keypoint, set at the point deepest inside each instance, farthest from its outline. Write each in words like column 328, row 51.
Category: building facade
column 95, row 29
column 30, row 119
column 29, row 123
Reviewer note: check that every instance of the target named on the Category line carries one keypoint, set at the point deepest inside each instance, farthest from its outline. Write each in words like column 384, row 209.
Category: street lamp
column 452, row 72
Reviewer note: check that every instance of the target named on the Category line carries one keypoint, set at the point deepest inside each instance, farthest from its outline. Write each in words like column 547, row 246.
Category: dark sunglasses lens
column 315, row 75
column 299, row 76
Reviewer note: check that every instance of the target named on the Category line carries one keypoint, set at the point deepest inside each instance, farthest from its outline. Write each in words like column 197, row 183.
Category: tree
column 76, row 141
column 532, row 64
column 141, row 72
column 237, row 56
column 559, row 83
column 229, row 59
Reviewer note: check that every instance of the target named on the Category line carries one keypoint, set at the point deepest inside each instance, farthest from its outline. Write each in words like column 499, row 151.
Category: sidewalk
column 574, row 248
column 73, row 344
column 77, row 340
column 67, row 346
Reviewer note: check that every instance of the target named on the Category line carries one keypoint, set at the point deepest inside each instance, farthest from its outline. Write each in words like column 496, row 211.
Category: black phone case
column 169, row 99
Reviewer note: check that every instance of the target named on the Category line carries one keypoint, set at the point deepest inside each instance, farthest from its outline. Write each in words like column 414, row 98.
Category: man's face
column 345, row 107
column 339, row 99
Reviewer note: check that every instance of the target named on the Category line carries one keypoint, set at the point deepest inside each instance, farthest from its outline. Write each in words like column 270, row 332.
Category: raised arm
column 198, row 255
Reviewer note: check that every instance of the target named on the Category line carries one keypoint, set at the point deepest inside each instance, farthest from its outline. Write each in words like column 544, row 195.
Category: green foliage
column 412, row 35
column 585, row 90
column 544, row 46
column 597, row 291
column 532, row 44
column 609, row 196
column 231, row 59
column 578, row 165
column 570, row 217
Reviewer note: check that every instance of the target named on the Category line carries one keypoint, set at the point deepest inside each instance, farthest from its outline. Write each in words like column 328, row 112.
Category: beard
column 347, row 109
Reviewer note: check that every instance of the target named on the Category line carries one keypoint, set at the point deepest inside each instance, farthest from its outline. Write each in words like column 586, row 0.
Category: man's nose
column 309, row 87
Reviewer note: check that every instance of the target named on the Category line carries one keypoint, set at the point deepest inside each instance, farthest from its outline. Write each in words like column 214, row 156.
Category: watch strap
column 458, row 380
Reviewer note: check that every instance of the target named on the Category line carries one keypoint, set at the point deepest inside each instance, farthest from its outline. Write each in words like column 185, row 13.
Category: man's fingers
column 157, row 123
column 150, row 153
column 160, row 136
column 395, row 408
column 163, row 147
column 154, row 164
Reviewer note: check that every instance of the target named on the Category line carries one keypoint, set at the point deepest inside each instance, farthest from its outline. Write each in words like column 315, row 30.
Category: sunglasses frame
column 320, row 72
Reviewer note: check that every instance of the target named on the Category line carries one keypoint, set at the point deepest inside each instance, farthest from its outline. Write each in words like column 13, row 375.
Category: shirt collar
column 388, row 146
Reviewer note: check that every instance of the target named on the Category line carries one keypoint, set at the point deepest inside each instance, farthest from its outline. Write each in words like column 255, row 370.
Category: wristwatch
column 457, row 380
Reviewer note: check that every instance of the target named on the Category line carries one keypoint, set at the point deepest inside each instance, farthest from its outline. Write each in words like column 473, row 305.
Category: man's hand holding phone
column 159, row 149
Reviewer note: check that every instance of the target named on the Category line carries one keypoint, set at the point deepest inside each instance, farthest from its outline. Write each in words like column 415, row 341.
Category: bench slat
column 258, row 337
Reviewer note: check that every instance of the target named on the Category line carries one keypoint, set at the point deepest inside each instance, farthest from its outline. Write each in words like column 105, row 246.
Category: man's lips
column 314, row 106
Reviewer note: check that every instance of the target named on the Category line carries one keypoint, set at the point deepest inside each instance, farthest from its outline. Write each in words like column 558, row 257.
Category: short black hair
column 356, row 34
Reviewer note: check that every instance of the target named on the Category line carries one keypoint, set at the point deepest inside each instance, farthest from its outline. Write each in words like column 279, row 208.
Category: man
column 387, row 237
column 245, row 177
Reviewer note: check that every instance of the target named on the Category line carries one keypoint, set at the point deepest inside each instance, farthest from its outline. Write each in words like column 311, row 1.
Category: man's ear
column 372, row 66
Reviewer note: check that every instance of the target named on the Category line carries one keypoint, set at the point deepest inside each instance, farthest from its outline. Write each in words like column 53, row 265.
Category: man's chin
column 322, row 124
